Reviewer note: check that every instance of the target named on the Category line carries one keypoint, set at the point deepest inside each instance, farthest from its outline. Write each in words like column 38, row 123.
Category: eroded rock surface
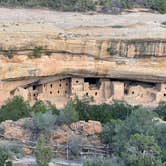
column 60, row 135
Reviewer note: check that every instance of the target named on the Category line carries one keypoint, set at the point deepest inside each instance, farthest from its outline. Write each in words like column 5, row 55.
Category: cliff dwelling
column 101, row 90
column 104, row 58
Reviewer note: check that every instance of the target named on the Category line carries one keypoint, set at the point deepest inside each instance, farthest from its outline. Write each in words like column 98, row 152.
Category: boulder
column 89, row 128
column 16, row 129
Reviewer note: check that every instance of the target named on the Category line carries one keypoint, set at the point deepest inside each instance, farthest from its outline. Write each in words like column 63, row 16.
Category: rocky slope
column 59, row 135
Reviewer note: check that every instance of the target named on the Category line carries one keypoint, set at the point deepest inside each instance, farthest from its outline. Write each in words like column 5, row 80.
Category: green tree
column 121, row 110
column 41, row 122
column 141, row 121
column 163, row 6
column 160, row 136
column 161, row 110
column 68, row 115
column 106, row 3
column 14, row 109
column 142, row 151
column 4, row 158
column 115, row 135
column 43, row 152
column 39, row 106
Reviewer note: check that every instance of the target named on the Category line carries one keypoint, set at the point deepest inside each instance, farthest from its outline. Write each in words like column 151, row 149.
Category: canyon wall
column 135, row 48
column 38, row 51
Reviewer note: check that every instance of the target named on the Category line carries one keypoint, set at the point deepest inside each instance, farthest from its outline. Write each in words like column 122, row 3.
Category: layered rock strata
column 69, row 54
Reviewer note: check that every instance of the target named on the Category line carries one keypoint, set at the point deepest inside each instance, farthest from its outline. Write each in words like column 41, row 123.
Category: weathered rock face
column 81, row 128
column 21, row 67
column 134, row 48
column 73, row 45
column 15, row 129
column 59, row 135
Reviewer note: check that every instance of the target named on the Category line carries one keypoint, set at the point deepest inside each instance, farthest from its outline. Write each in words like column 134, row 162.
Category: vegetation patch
column 88, row 5
column 43, row 152
column 9, row 53
column 112, row 51
column 36, row 52
column 132, row 134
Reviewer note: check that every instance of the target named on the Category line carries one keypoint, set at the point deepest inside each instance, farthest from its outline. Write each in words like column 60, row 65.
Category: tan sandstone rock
column 89, row 128
column 15, row 129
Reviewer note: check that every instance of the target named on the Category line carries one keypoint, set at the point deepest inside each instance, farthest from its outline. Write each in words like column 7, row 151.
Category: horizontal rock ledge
column 147, row 69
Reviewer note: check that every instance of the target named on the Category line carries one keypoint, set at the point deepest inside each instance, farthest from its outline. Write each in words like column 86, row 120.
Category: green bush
column 43, row 152
column 14, row 109
column 68, row 115
column 66, row 5
column 41, row 122
column 121, row 110
column 103, row 113
column 142, row 151
column 160, row 136
column 85, row 5
column 75, row 146
column 4, row 158
column 41, row 107
column 37, row 52
column 9, row 53
column 161, row 110
column 106, row 3
column 115, row 135
column 11, row 148
column 141, row 121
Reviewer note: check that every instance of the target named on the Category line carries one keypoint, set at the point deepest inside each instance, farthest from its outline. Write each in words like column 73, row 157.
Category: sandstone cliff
column 83, row 37
column 79, row 45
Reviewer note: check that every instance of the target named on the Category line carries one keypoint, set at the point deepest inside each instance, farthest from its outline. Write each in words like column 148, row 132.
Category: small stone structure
column 102, row 90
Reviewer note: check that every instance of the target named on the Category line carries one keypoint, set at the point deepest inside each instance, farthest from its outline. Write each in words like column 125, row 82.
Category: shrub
column 160, row 136
column 103, row 113
column 115, row 135
column 86, row 5
column 68, row 115
column 142, row 151
column 75, row 146
column 141, row 121
column 112, row 51
column 39, row 107
column 37, row 51
column 66, row 5
column 14, row 109
column 163, row 6
column 106, row 3
column 121, row 110
column 4, row 158
column 100, row 113
column 9, row 53
column 41, row 122
column 161, row 110
column 43, row 152
column 11, row 148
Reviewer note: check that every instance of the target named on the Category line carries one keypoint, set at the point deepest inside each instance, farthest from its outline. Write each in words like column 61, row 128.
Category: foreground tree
column 142, row 151
column 14, row 109
column 43, row 152
column 4, row 159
